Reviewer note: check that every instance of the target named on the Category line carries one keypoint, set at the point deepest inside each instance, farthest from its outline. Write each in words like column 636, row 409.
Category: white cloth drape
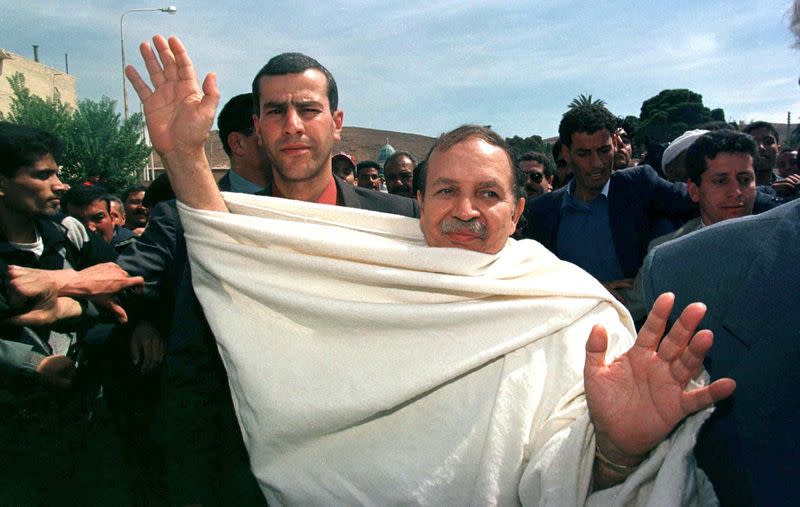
column 369, row 369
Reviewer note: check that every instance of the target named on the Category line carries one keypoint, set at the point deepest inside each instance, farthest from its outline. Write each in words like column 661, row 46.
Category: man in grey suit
column 746, row 272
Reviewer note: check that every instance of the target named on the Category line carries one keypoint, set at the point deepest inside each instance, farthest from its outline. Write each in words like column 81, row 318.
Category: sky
column 424, row 67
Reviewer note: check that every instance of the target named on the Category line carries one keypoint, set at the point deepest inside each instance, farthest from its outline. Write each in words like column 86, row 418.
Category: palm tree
column 585, row 100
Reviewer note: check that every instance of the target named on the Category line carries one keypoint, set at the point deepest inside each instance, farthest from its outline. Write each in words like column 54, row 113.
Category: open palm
column 178, row 112
column 639, row 398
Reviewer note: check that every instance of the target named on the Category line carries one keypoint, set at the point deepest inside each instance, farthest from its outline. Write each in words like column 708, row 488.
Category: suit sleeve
column 152, row 256
column 669, row 198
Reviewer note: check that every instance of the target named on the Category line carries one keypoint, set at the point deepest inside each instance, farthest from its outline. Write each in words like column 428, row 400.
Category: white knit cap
column 680, row 144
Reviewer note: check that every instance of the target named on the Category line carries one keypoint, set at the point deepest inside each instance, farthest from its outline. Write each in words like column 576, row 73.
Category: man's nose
column 59, row 186
column 465, row 209
column 292, row 123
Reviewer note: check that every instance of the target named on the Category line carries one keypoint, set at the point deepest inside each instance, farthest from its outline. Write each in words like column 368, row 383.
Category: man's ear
column 565, row 153
column 420, row 200
column 257, row 129
column 518, row 211
column 235, row 142
column 694, row 192
column 338, row 121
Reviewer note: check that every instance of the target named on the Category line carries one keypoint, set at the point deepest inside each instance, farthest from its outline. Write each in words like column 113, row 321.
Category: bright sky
column 425, row 66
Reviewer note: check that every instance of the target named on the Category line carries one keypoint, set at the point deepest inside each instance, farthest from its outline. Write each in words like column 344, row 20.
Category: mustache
column 455, row 225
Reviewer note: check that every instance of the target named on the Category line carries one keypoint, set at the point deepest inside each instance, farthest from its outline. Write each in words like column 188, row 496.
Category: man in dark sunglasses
column 539, row 178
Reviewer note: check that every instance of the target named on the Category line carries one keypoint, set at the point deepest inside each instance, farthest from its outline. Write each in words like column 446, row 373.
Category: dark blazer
column 638, row 201
column 206, row 459
column 747, row 273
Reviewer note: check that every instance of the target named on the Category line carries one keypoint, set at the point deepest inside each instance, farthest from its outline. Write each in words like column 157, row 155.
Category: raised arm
column 179, row 116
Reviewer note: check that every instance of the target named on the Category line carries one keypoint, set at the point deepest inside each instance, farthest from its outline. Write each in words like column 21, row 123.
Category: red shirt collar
column 329, row 195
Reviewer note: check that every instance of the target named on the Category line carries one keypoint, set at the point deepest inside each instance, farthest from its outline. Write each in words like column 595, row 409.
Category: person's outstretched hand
column 639, row 398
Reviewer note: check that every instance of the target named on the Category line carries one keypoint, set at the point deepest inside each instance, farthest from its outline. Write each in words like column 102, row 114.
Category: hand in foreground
column 56, row 371
column 612, row 286
column 147, row 346
column 637, row 400
column 787, row 186
column 98, row 283
column 36, row 295
column 179, row 114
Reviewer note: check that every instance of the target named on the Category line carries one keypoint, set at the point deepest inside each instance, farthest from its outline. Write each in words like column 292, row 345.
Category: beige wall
column 40, row 79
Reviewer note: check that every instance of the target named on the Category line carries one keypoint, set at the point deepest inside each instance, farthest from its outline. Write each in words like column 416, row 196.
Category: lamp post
column 169, row 10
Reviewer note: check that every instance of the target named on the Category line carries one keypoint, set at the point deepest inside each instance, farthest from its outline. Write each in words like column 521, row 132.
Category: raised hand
column 639, row 398
column 179, row 114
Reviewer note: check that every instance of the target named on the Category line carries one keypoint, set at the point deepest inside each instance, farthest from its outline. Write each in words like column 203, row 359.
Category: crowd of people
column 188, row 344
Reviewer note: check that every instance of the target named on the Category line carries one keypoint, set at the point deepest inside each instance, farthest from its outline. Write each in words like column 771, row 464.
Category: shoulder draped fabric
column 370, row 369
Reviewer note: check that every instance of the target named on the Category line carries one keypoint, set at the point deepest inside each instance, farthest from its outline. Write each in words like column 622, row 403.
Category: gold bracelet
column 614, row 467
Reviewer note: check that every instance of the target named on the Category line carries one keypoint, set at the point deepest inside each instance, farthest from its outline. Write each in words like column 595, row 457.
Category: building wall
column 40, row 79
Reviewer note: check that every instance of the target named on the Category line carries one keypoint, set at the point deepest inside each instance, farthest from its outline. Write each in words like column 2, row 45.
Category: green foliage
column 519, row 146
column 671, row 113
column 585, row 100
column 97, row 141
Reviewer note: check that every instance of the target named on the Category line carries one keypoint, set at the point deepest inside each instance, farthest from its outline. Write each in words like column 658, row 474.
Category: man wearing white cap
column 674, row 160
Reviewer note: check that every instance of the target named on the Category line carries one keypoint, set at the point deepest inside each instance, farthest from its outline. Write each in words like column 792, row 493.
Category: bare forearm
column 192, row 180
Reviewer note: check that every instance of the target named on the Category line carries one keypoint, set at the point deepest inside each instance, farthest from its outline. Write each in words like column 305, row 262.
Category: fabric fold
column 369, row 369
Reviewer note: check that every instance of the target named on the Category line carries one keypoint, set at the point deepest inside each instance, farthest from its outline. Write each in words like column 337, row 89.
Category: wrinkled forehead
column 481, row 156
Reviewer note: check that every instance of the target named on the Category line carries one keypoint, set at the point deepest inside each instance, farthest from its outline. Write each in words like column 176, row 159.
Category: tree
column 585, row 100
column 97, row 142
column 672, row 112
column 519, row 146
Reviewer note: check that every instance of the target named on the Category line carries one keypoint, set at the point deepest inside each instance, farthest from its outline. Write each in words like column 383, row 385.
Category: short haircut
column 588, row 119
column 462, row 133
column 159, row 190
column 294, row 63
column 557, row 149
column 762, row 125
column 84, row 195
column 536, row 156
column 22, row 146
column 133, row 189
column 236, row 116
column 709, row 145
column 368, row 164
column 396, row 155
column 116, row 199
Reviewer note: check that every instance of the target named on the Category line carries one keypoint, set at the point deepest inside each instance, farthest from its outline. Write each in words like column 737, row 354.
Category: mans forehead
column 598, row 137
column 309, row 85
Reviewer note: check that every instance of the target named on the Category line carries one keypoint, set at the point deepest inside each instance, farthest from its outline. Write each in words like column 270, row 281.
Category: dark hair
column 536, row 156
column 22, row 146
column 133, row 189
column 462, row 133
column 556, row 149
column 709, row 145
column 294, row 63
column 396, row 155
column 236, row 116
column 82, row 196
column 762, row 125
column 588, row 119
column 368, row 164
column 159, row 190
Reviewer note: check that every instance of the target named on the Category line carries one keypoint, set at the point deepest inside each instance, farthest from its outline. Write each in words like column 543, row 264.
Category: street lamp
column 169, row 10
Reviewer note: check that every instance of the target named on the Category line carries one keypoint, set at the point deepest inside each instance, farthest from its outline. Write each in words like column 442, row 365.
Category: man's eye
column 490, row 194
